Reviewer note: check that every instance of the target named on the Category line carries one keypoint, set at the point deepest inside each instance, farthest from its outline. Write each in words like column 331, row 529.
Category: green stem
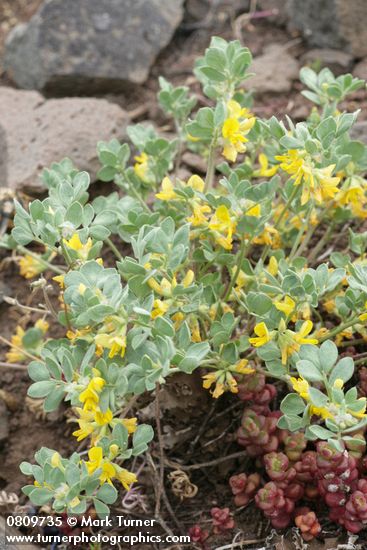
column 134, row 192
column 66, row 254
column 39, row 259
column 321, row 243
column 338, row 329
column 294, row 251
column 211, row 166
column 112, row 247
column 233, row 280
column 281, row 215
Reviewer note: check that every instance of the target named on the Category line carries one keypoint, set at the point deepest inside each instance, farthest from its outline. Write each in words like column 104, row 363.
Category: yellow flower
column 189, row 278
column 290, row 341
column 126, row 478
column 361, row 413
column 86, row 426
column 254, row 211
column 60, row 280
column 30, row 267
column 195, row 329
column 112, row 336
column 344, row 334
column 42, row 325
column 263, row 336
column 242, row 368
column 273, row 266
column 164, row 288
column 198, row 217
column 338, row 384
column 90, row 396
column 320, row 411
column 168, row 191
column 222, row 227
column 16, row 355
column 130, row 424
column 270, row 236
column 363, row 317
column 56, row 461
column 316, row 182
column 196, row 182
column 286, row 306
column 178, row 319
column 301, row 386
column 160, row 308
column 141, row 167
column 223, row 381
column 330, row 306
column 74, row 243
column 264, row 170
column 238, row 124
column 96, row 461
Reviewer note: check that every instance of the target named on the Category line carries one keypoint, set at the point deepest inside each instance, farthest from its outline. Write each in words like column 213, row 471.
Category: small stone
column 339, row 62
column 90, row 45
column 35, row 132
column 274, row 70
column 360, row 70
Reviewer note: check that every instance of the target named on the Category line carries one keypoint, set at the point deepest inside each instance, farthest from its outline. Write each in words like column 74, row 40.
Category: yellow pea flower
column 290, row 341
column 199, row 212
column 242, row 368
column 42, row 325
column 287, row 305
column 141, row 167
column 56, row 461
column 263, row 336
column 222, row 227
column 16, row 354
column 363, row 317
column 273, row 266
column 234, row 130
column 30, row 267
column 301, row 386
column 160, row 308
column 168, row 191
column 126, row 478
column 264, row 170
column 90, row 396
column 60, row 280
column 96, row 461
column 74, row 243
column 323, row 412
column 316, row 182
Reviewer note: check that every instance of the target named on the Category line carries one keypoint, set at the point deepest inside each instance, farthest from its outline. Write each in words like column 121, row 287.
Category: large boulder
column 335, row 24
column 71, row 46
column 35, row 132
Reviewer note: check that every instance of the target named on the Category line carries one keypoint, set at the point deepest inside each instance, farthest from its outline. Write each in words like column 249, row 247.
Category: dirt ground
column 183, row 398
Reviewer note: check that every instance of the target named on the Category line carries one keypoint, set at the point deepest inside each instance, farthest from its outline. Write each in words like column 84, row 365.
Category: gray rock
column 274, row 70
column 337, row 61
column 36, row 132
column 338, row 24
column 360, row 70
column 359, row 131
column 90, row 45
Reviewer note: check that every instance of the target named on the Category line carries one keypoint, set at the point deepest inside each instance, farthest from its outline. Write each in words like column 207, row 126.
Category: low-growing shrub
column 252, row 273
